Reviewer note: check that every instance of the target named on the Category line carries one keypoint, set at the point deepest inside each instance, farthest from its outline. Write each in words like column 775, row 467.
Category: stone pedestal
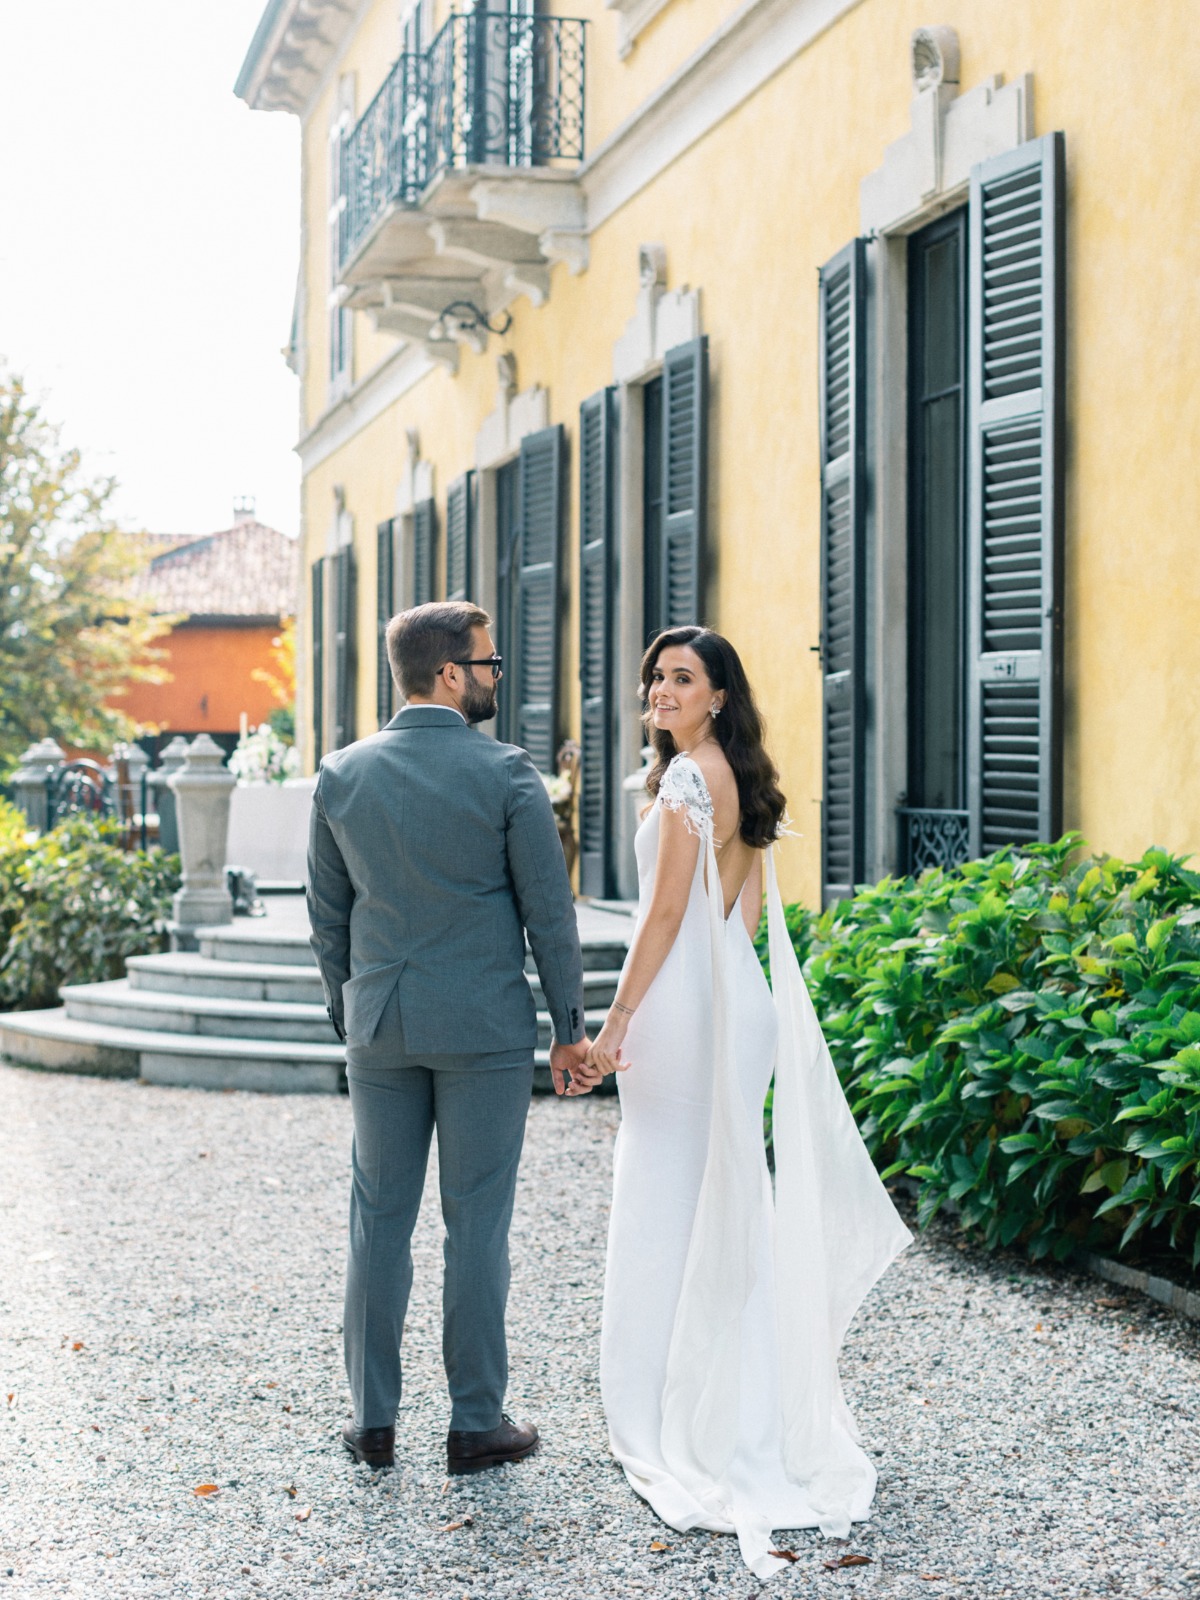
column 29, row 781
column 171, row 762
column 201, row 787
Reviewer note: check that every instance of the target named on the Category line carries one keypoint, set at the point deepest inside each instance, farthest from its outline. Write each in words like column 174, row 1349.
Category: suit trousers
column 478, row 1105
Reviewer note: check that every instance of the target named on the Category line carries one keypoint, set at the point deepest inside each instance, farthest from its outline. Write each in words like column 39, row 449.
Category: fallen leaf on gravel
column 287, row 1407
column 12, row 1397
column 453, row 1527
column 207, row 1488
column 1112, row 1305
column 77, row 1344
column 784, row 1555
column 934, row 1577
column 290, row 1489
column 303, row 1514
column 847, row 1561
column 657, row 1544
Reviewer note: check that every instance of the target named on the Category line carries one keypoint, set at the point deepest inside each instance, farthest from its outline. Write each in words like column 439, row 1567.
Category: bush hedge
column 1021, row 1035
column 73, row 906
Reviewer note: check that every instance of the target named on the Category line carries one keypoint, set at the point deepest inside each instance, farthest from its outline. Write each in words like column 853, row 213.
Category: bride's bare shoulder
column 717, row 774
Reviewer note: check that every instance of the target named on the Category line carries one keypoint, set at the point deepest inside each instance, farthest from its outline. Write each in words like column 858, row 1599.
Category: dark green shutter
column 460, row 538
column 597, row 436
column 318, row 657
column 685, row 471
column 385, row 605
column 1015, row 496
column 843, row 547
column 344, row 661
column 538, row 597
column 424, row 531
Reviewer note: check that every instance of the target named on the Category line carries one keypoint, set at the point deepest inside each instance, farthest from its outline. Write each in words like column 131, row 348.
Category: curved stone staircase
column 245, row 1011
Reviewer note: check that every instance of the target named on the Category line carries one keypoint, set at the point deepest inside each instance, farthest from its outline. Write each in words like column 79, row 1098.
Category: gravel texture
column 170, row 1281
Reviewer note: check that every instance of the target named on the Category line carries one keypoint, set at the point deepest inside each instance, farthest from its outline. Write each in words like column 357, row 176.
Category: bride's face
column 680, row 695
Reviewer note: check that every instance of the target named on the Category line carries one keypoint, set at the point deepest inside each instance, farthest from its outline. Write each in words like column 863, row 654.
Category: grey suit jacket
column 431, row 848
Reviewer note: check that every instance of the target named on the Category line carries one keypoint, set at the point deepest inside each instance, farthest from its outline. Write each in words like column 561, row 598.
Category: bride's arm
column 678, row 848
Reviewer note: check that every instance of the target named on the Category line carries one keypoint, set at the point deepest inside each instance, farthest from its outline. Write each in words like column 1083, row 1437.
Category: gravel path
column 170, row 1279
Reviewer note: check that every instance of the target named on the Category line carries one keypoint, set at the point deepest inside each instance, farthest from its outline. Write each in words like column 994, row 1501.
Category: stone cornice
column 291, row 49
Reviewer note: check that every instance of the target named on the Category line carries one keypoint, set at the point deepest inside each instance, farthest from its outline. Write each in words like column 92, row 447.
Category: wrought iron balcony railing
column 384, row 158
column 493, row 89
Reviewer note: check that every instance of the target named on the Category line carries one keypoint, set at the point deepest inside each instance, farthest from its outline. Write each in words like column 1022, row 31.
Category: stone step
column 258, row 944
column 56, row 1042
column 186, row 972
column 261, row 947
column 119, row 1004
column 181, row 972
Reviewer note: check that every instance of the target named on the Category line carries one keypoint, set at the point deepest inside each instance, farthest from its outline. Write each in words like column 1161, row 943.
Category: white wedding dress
column 725, row 1305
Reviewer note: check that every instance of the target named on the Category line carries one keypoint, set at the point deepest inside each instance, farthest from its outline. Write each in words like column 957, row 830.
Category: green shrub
column 73, row 906
column 1022, row 1036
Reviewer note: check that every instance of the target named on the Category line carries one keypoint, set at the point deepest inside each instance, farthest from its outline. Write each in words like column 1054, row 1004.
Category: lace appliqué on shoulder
column 683, row 789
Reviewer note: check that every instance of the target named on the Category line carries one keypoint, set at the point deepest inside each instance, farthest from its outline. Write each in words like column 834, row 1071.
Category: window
column 986, row 314
column 341, row 353
column 937, row 361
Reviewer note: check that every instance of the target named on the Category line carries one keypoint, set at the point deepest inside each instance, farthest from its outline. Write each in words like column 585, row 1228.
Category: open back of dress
column 725, row 1304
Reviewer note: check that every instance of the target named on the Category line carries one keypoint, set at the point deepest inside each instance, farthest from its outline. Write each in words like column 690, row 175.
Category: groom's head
column 439, row 652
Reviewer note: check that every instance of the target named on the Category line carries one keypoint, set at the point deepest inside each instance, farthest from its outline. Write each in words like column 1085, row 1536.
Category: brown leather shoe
column 375, row 1446
column 475, row 1452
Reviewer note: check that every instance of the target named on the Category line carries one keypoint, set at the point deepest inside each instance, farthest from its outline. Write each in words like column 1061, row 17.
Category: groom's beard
column 479, row 701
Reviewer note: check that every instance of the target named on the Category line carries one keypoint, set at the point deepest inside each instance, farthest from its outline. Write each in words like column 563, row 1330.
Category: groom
column 432, row 851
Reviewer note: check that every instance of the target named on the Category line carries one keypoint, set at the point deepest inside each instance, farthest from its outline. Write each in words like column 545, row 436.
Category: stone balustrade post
column 29, row 781
column 202, row 788
column 171, row 762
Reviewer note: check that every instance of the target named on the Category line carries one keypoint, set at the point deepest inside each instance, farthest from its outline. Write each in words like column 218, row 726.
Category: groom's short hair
column 420, row 641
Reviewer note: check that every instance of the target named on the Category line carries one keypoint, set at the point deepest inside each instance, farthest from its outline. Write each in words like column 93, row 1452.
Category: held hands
column 606, row 1055
column 569, row 1058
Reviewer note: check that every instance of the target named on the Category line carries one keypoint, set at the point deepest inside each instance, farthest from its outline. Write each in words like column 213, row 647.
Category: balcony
column 459, row 178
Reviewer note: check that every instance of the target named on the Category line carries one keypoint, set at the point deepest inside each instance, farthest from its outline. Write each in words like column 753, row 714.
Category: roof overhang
column 292, row 46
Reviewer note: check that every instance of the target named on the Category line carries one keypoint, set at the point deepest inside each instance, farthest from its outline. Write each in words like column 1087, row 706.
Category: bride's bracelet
column 625, row 1010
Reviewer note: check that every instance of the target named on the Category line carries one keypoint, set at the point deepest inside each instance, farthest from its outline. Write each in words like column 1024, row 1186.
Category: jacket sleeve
column 330, row 898
column 544, row 901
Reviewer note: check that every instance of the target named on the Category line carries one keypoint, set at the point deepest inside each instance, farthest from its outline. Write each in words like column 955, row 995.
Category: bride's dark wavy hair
column 738, row 729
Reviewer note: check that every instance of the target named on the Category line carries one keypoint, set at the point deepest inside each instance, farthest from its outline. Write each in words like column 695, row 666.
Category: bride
column 725, row 1305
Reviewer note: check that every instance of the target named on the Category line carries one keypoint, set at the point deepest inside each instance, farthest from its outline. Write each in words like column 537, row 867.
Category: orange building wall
column 211, row 683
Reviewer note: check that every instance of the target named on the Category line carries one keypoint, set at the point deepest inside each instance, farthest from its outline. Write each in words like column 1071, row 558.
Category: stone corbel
column 530, row 279
column 569, row 245
column 528, row 205
column 482, row 244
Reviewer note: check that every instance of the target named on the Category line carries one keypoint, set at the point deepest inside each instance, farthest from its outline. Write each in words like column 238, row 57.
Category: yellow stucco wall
column 747, row 215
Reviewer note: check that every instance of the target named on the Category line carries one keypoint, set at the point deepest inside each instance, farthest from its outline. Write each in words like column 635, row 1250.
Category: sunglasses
column 488, row 661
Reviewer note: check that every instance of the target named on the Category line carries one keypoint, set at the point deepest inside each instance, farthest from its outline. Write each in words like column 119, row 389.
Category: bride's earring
column 713, row 709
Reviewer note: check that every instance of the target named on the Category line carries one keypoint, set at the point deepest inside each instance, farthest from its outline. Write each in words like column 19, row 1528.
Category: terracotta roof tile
column 248, row 570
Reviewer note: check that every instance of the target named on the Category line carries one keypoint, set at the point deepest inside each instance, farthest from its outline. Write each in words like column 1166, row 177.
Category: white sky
column 149, row 233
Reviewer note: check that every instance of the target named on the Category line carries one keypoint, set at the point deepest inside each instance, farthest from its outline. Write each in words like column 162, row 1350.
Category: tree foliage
column 71, row 638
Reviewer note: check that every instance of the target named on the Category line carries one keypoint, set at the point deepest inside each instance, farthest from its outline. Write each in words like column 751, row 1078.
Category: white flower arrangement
column 262, row 757
column 558, row 787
